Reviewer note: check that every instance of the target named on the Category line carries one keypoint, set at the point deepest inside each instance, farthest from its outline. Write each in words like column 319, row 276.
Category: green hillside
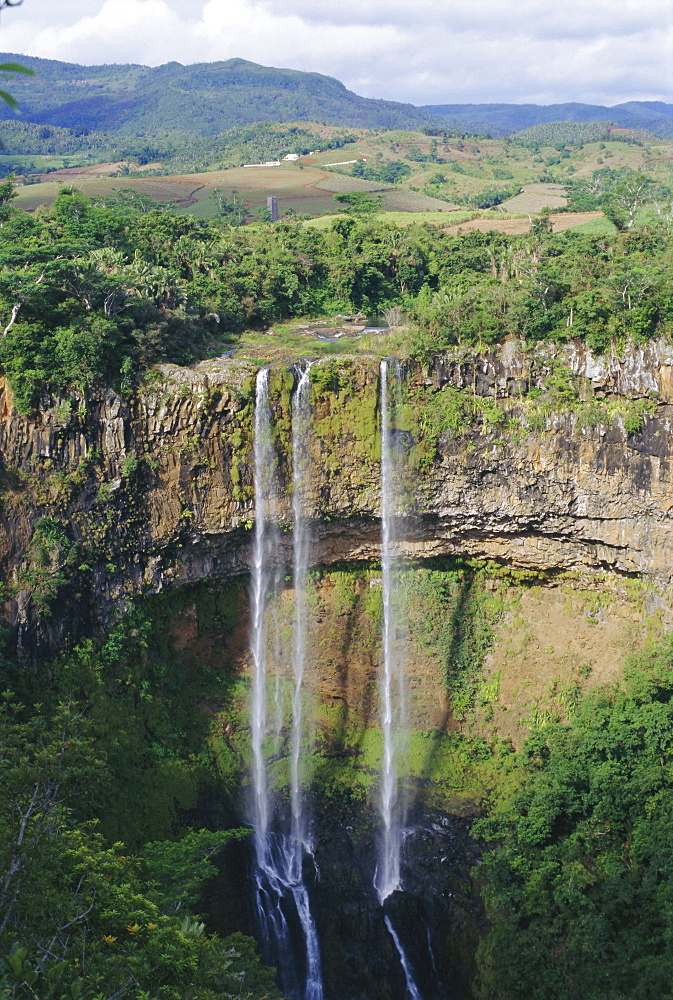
column 566, row 133
column 207, row 98
column 202, row 99
column 504, row 119
column 558, row 167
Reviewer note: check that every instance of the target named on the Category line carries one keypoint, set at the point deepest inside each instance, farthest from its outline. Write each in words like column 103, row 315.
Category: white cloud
column 423, row 51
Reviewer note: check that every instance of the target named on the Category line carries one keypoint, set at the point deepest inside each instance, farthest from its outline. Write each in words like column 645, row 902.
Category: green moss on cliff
column 152, row 691
column 345, row 419
column 448, row 624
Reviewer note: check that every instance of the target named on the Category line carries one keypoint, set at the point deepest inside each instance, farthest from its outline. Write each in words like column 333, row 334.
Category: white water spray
column 387, row 878
column 301, row 415
column 412, row 989
column 299, row 845
column 261, row 575
column 281, row 893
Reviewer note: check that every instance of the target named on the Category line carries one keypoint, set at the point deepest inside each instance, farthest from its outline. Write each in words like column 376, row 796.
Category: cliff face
column 550, row 461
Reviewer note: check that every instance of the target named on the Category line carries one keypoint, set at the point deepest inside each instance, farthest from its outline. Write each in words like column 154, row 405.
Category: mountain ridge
column 206, row 98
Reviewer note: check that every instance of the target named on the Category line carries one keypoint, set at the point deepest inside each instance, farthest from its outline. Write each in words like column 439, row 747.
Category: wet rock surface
column 437, row 915
column 155, row 491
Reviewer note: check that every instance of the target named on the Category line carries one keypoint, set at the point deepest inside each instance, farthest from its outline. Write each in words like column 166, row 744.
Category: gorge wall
column 548, row 462
column 538, row 548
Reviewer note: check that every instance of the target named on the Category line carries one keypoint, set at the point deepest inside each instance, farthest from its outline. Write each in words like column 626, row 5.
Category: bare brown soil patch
column 553, row 643
column 560, row 222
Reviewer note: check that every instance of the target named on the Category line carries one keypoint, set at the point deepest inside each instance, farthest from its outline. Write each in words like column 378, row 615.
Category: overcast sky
column 421, row 51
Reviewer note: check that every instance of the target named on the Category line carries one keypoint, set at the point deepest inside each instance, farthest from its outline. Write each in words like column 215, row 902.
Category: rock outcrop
column 549, row 461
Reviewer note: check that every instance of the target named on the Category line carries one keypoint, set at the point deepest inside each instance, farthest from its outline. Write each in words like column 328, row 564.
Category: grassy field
column 593, row 223
column 589, row 222
column 444, row 174
column 598, row 225
column 443, row 219
column 534, row 197
column 37, row 163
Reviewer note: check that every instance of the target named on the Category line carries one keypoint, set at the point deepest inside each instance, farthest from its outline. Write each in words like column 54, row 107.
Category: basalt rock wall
column 548, row 461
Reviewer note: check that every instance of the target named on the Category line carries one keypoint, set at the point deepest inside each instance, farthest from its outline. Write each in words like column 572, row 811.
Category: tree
column 580, row 883
column 359, row 203
column 80, row 918
column 230, row 209
column 623, row 203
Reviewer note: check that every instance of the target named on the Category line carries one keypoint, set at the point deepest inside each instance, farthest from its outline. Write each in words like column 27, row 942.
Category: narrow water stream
column 281, row 896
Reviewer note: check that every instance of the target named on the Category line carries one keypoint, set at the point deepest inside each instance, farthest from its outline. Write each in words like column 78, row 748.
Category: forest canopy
column 95, row 292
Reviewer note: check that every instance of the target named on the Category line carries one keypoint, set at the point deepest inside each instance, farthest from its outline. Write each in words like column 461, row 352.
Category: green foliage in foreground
column 622, row 195
column 112, row 748
column 80, row 918
column 579, row 888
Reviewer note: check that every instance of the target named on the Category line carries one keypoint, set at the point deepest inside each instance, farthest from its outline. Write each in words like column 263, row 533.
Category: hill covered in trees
column 504, row 119
column 201, row 99
column 206, row 98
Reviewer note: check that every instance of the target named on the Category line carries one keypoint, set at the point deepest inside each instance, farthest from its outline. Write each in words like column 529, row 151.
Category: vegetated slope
column 418, row 171
column 206, row 98
column 568, row 133
column 504, row 119
column 201, row 99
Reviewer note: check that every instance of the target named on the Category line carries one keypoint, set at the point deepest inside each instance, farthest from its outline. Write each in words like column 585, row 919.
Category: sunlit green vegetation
column 101, row 875
column 94, row 293
column 562, row 134
column 578, row 884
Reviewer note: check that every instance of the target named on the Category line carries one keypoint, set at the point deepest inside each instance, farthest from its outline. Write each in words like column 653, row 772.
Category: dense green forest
column 135, row 100
column 566, row 133
column 202, row 99
column 95, row 293
column 579, row 887
column 505, row 119
column 177, row 152
column 100, row 890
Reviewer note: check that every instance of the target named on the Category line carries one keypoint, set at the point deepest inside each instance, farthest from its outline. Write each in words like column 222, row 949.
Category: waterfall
column 261, row 576
column 387, row 878
column 298, row 844
column 268, row 895
column 281, row 896
column 301, row 413
column 412, row 989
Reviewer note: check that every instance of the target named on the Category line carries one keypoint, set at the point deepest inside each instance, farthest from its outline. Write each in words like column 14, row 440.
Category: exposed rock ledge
column 157, row 491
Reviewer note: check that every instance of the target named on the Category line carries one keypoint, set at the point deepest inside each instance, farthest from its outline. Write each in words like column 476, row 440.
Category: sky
column 417, row 51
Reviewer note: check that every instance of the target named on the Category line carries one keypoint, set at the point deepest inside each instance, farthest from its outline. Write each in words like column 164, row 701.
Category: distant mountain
column 207, row 98
column 505, row 119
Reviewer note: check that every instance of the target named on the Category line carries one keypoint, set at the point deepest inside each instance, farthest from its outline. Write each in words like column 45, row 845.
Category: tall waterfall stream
column 281, row 894
column 283, row 842
column 393, row 717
